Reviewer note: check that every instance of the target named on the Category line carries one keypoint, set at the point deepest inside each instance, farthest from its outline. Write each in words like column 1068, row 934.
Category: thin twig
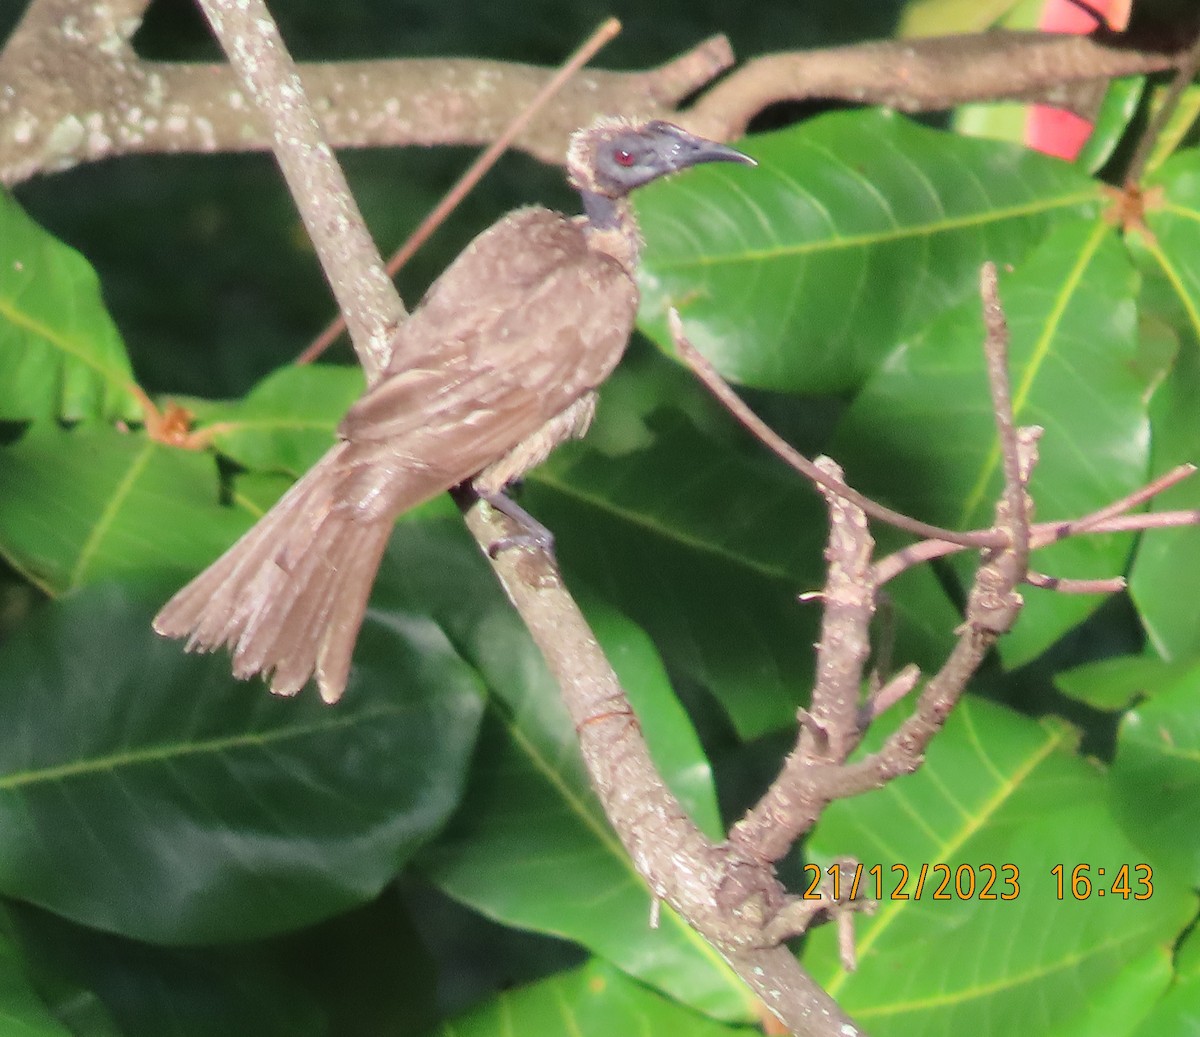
column 1136, row 499
column 1042, row 534
column 1066, row 585
column 995, row 350
column 753, row 424
column 475, row 172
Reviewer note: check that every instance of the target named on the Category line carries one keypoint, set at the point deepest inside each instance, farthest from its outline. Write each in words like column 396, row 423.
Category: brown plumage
column 512, row 339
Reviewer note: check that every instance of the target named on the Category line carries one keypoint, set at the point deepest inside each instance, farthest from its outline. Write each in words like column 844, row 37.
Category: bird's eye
column 623, row 157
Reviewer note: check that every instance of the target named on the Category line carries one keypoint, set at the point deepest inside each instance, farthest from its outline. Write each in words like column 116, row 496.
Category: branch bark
column 90, row 96
column 936, row 73
column 365, row 294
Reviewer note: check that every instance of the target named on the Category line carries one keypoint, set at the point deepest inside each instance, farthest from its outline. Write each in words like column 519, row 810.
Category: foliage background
column 183, row 854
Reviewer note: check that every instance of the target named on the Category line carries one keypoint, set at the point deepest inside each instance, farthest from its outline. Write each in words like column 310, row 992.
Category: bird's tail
column 289, row 597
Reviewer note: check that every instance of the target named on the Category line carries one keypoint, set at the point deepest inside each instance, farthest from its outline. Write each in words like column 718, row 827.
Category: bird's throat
column 611, row 228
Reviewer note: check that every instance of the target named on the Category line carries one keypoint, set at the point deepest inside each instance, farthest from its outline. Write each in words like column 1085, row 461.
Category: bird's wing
column 508, row 355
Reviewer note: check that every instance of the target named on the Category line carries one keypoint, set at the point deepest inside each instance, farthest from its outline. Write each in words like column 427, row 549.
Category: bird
column 497, row 365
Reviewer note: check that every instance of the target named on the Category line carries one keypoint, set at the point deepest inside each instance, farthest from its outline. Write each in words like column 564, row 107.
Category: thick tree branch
column 91, row 97
column 735, row 902
column 934, row 74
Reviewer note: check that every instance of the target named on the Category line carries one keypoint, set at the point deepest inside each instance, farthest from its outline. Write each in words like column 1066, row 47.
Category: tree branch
column 366, row 296
column 933, row 74
column 735, row 902
column 92, row 97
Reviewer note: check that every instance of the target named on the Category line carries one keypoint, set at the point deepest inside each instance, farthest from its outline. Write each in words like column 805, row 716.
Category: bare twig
column 1105, row 520
column 474, row 173
column 831, row 728
column 1064, row 585
column 716, row 385
column 995, row 351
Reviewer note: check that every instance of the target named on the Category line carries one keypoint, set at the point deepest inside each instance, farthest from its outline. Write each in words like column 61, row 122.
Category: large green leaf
column 672, row 513
column 22, row 1012
column 1114, row 684
column 1167, row 568
column 530, row 846
column 855, row 230
column 146, row 792
column 594, row 1000
column 1179, row 1011
column 95, row 503
column 922, row 437
column 704, row 543
column 116, row 987
column 60, row 353
column 997, row 789
column 1156, row 775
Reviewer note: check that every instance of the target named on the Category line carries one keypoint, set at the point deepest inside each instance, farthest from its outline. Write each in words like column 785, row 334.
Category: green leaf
column 123, row 988
column 530, row 846
column 1117, row 110
column 1114, row 684
column 1163, row 579
column 1178, row 127
column 594, row 1000
column 921, row 435
column 996, row 789
column 942, row 17
column 22, row 1012
column 1179, row 1011
column 60, row 353
column 286, row 421
column 145, row 792
column 95, row 503
column 703, row 544
column 1156, row 775
column 855, row 230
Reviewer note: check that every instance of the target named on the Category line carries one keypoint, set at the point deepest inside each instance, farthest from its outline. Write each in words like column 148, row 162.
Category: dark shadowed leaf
column 121, row 988
column 594, row 1000
column 23, row 1013
column 146, row 792
column 1156, row 775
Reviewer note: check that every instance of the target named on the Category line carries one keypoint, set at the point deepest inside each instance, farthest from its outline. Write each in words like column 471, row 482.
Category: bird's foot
column 532, row 536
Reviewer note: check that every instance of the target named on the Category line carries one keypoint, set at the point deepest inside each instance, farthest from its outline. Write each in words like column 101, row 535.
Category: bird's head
column 613, row 156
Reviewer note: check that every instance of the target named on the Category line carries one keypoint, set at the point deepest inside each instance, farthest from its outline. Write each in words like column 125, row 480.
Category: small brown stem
column 753, row 424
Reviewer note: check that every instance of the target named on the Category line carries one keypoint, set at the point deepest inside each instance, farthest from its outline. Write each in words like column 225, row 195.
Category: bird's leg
column 533, row 534
column 531, row 451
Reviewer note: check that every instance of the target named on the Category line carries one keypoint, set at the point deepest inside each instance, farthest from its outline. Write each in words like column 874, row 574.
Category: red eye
column 623, row 157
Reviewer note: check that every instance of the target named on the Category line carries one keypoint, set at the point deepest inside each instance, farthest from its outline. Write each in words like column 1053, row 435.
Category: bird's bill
column 687, row 149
